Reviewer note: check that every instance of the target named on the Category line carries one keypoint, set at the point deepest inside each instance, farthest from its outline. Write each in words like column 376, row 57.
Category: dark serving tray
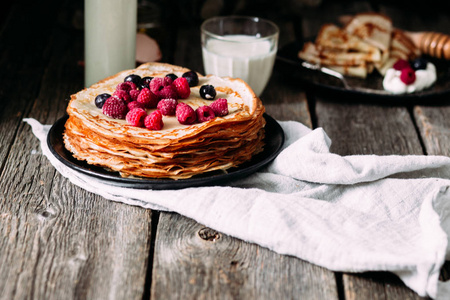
column 370, row 88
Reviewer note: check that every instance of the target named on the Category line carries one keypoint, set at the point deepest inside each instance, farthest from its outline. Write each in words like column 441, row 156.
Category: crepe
column 401, row 47
column 177, row 151
column 331, row 37
column 367, row 42
column 373, row 28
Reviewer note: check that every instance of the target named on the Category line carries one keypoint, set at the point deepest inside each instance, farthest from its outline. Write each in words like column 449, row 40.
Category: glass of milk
column 240, row 47
column 110, row 38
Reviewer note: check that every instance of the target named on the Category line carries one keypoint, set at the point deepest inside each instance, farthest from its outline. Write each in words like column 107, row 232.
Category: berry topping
column 121, row 94
column 408, row 75
column 204, row 113
column 182, row 86
column 133, row 78
column 185, row 114
column 154, row 121
column 419, row 64
column 115, row 108
column 147, row 98
column 172, row 76
column 220, row 107
column 169, row 91
column 126, row 86
column 136, row 116
column 167, row 106
column 401, row 64
column 145, row 82
column 135, row 104
column 163, row 88
column 207, row 92
column 134, row 94
column 191, row 77
column 100, row 99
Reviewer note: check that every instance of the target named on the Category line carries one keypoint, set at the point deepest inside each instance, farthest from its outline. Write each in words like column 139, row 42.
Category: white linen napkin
column 345, row 213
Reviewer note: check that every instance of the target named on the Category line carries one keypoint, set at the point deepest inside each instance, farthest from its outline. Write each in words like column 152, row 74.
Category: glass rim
column 248, row 18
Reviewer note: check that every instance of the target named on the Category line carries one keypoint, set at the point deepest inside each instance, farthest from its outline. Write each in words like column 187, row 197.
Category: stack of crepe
column 177, row 151
column 368, row 41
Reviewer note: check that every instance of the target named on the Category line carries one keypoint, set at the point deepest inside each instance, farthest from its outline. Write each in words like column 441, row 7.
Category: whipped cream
column 424, row 79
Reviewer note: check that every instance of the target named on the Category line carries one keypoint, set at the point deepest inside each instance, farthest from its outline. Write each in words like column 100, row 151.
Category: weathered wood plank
column 356, row 128
column 285, row 101
column 434, row 123
column 192, row 262
column 57, row 240
column 21, row 69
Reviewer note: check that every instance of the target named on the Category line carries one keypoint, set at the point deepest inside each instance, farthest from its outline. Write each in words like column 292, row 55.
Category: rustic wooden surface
column 58, row 241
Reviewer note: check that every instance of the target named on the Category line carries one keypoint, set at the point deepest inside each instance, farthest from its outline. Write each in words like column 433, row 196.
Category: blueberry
column 133, row 78
column 207, row 92
column 145, row 82
column 191, row 77
column 419, row 64
column 172, row 76
column 100, row 99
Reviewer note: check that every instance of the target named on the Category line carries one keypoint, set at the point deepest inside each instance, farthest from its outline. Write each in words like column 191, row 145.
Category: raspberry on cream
column 396, row 82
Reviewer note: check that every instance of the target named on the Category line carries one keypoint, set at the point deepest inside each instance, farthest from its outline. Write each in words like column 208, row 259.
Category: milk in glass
column 110, row 38
column 240, row 56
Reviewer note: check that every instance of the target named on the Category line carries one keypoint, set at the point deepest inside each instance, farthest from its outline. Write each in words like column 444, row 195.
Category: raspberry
column 135, row 104
column 136, row 117
column 134, row 94
column 158, row 83
column 401, row 64
column 154, row 121
column 408, row 75
column 126, row 86
column 185, row 114
column 182, row 86
column 220, row 107
column 167, row 106
column 147, row 98
column 204, row 113
column 121, row 94
column 169, row 92
column 163, row 88
column 115, row 108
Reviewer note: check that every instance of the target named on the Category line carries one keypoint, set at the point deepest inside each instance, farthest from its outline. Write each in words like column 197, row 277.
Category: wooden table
column 58, row 241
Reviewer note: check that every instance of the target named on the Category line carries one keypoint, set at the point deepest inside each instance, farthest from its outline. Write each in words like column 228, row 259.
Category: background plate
column 274, row 139
column 290, row 65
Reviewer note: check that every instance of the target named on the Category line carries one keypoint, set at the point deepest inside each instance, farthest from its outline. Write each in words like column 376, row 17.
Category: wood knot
column 208, row 234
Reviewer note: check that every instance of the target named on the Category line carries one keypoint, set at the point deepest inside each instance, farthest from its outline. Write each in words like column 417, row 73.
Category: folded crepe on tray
column 177, row 151
column 367, row 42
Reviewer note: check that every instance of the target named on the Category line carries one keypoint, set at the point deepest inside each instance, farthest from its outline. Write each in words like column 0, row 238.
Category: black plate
column 274, row 141
column 287, row 59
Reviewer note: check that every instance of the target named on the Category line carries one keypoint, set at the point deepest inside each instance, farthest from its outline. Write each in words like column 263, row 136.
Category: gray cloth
column 345, row 213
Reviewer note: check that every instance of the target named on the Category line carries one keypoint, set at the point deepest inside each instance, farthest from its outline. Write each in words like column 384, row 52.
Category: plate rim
column 113, row 178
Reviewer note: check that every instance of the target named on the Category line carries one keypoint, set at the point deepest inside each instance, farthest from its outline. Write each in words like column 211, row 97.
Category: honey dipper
column 432, row 43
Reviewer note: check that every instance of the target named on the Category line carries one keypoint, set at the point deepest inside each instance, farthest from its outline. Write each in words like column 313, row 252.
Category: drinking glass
column 240, row 47
column 110, row 38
